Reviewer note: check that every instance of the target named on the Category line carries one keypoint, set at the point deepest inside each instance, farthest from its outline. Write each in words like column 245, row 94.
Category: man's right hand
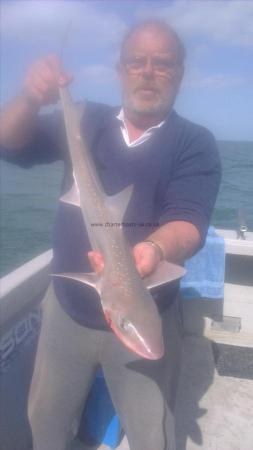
column 19, row 117
column 43, row 80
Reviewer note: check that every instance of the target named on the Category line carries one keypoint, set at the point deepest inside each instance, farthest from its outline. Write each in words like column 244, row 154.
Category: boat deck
column 213, row 412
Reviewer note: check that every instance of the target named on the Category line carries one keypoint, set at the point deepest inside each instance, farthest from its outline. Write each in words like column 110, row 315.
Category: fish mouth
column 133, row 340
column 145, row 351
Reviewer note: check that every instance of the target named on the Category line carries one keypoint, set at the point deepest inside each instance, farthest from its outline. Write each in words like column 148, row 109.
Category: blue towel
column 205, row 270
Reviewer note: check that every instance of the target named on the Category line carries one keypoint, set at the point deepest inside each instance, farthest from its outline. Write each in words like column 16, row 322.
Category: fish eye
column 124, row 323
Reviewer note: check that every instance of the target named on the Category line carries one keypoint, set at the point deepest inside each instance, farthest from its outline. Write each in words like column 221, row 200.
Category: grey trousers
column 143, row 391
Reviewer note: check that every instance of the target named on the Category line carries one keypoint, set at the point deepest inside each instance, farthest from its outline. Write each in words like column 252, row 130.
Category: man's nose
column 148, row 69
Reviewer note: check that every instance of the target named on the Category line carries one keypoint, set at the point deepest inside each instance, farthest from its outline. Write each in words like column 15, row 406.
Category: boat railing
column 24, row 286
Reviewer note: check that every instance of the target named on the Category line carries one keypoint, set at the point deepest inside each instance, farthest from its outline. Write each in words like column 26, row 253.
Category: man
column 175, row 170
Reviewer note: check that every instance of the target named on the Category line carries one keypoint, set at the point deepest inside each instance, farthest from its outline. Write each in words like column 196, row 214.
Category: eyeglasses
column 161, row 66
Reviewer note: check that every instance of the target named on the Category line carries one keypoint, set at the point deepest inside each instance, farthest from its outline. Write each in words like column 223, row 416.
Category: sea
column 29, row 200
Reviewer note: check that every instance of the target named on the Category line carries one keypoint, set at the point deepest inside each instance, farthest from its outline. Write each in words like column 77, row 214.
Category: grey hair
column 160, row 25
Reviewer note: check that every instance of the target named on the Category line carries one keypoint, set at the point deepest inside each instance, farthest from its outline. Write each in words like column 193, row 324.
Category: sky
column 217, row 89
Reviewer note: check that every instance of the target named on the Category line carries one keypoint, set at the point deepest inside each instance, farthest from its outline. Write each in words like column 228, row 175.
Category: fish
column 126, row 299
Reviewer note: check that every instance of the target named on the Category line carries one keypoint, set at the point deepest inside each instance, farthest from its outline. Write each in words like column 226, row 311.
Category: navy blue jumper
column 176, row 175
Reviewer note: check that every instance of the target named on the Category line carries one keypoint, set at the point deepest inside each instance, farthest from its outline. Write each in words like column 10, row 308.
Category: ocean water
column 29, row 202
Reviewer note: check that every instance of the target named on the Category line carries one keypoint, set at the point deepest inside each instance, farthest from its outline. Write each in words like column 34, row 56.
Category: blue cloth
column 205, row 270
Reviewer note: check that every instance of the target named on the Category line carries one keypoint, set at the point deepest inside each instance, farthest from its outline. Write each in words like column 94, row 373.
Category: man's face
column 150, row 72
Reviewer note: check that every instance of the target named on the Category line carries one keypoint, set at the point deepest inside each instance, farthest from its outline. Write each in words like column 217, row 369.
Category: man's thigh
column 144, row 391
column 65, row 363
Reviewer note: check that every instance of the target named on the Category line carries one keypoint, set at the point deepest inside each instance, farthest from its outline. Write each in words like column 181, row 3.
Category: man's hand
column 146, row 258
column 145, row 255
column 43, row 80
column 96, row 261
column 40, row 88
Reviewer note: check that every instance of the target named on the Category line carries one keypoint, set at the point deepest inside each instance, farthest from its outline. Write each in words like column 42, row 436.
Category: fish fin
column 72, row 196
column 118, row 203
column 91, row 279
column 164, row 274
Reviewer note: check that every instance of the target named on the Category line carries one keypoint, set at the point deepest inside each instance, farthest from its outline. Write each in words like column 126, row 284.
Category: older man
column 175, row 169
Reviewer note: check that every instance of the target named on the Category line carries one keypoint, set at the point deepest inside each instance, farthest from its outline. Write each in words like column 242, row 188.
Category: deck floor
column 213, row 412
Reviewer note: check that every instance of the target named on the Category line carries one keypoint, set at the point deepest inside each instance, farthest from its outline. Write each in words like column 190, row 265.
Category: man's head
column 150, row 69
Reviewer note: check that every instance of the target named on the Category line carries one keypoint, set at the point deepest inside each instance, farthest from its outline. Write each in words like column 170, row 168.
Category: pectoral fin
column 164, row 274
column 90, row 279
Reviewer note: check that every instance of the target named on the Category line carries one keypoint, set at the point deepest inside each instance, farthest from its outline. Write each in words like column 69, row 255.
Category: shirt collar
column 121, row 116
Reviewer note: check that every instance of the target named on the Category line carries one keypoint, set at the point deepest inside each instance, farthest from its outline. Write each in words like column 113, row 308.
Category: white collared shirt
column 143, row 138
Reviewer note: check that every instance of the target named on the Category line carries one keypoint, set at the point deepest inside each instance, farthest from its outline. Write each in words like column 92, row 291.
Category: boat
column 215, row 398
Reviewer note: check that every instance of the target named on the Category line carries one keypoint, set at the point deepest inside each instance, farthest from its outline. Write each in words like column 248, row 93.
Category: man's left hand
column 146, row 258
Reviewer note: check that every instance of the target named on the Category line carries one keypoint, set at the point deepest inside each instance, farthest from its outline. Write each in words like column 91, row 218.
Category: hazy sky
column 217, row 90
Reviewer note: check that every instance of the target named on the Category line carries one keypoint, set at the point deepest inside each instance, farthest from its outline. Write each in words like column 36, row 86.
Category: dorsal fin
column 72, row 196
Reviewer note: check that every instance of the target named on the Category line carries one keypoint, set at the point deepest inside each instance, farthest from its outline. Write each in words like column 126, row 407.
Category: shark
column 126, row 299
